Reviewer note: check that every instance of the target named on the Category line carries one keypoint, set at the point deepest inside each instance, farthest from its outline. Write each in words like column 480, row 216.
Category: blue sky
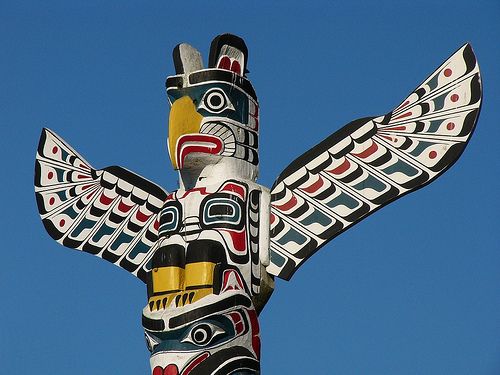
column 413, row 289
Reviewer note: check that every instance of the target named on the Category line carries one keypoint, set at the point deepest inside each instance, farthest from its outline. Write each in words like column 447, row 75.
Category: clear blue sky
column 413, row 289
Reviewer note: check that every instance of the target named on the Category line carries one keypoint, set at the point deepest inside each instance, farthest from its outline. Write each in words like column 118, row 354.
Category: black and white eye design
column 203, row 334
column 216, row 101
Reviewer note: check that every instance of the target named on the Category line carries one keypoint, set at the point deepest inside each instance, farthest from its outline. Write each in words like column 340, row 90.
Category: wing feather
column 372, row 161
column 111, row 213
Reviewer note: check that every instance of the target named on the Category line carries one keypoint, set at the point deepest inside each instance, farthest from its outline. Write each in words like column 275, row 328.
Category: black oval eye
column 202, row 334
column 215, row 100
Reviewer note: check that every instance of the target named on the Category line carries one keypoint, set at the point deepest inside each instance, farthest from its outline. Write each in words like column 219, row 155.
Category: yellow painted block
column 200, row 273
column 168, row 279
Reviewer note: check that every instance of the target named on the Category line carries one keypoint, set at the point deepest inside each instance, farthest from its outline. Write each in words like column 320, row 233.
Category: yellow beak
column 183, row 120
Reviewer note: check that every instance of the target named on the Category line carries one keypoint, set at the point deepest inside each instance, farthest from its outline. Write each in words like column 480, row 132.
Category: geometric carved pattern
column 373, row 161
column 111, row 213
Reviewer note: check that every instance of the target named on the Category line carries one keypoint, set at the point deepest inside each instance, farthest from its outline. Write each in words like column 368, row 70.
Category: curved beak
column 184, row 119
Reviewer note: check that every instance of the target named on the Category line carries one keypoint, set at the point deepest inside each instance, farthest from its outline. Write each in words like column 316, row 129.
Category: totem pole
column 208, row 252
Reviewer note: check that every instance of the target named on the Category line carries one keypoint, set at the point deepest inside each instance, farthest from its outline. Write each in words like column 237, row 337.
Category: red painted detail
column 171, row 370
column 369, row 151
column 396, row 128
column 314, row 187
column 235, row 188
column 50, row 175
column 292, row 202
column 387, row 137
column 254, row 324
column 225, row 283
column 432, row 154
column 169, row 197
column 124, row 207
column 82, row 176
column 447, row 72
column 256, row 345
column 403, row 115
column 90, row 195
column 341, row 168
column 236, row 317
column 272, row 219
column 239, row 240
column 83, row 166
column 52, row 200
column 454, row 97
column 158, row 370
column 105, row 200
column 239, row 327
column 54, row 150
column 204, row 143
column 86, row 187
column 156, row 224
column 141, row 216
column 195, row 362
column 404, row 104
column 225, row 63
column 62, row 222
column 200, row 190
column 236, row 67
column 450, row 126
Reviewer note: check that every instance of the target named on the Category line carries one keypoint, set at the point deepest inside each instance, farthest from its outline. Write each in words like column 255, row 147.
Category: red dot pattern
column 448, row 72
column 433, row 154
column 450, row 126
column 454, row 98
column 54, row 150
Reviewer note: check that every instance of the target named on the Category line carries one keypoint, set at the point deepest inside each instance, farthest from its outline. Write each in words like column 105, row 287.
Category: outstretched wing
column 111, row 213
column 373, row 161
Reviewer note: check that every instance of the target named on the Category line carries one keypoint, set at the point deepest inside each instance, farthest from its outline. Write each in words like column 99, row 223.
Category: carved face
column 214, row 112
column 219, row 331
column 211, row 120
column 203, row 276
column 200, row 317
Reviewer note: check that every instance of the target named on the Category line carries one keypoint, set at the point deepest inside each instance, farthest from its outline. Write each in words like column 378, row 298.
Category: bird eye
column 215, row 101
column 203, row 334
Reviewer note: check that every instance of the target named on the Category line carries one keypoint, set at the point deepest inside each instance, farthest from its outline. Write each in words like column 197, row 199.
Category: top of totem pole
column 213, row 125
column 208, row 252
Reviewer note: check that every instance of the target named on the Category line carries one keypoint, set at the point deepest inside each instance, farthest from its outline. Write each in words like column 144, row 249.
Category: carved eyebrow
column 223, row 76
column 174, row 82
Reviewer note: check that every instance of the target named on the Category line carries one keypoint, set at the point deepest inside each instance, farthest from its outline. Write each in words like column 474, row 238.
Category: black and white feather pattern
column 373, row 161
column 111, row 213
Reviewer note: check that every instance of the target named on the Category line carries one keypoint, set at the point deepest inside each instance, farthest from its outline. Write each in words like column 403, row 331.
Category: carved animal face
column 203, row 277
column 219, row 331
column 214, row 114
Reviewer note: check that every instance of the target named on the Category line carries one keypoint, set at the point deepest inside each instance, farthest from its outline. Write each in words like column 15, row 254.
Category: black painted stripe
column 224, row 76
column 225, row 304
column 153, row 324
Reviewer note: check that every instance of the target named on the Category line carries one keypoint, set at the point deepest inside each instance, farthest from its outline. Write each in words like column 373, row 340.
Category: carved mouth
column 199, row 143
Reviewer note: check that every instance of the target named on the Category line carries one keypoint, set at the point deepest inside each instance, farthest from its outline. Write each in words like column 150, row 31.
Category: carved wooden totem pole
column 208, row 251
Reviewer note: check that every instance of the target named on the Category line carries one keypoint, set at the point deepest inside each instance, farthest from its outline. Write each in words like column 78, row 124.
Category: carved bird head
column 214, row 118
